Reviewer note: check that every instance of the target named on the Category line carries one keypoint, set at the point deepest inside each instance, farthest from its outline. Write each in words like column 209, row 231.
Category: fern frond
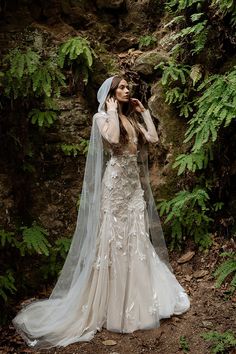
column 186, row 213
column 7, row 284
column 221, row 342
column 78, row 50
column 34, row 239
column 42, row 118
column 228, row 267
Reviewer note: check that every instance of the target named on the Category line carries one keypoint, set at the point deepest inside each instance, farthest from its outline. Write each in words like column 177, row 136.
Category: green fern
column 7, row 237
column 194, row 161
column 31, row 240
column 7, row 285
column 226, row 7
column 34, row 240
column 227, row 268
column 216, row 108
column 21, row 63
column 62, row 246
column 75, row 149
column 220, row 342
column 147, row 41
column 27, row 73
column 181, row 5
column 77, row 50
column 184, row 344
column 41, row 118
column 48, row 79
column 56, row 257
column 187, row 215
column 197, row 34
column 178, row 85
column 172, row 72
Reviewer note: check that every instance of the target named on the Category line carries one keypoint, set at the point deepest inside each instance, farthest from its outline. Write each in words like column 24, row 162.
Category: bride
column 117, row 274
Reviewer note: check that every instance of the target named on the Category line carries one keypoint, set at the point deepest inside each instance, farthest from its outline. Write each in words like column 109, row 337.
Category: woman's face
column 122, row 91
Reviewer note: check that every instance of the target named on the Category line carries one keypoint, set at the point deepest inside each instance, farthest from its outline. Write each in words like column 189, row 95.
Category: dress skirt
column 128, row 288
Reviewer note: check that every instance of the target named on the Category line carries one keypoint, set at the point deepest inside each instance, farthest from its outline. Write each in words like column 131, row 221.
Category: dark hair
column 127, row 110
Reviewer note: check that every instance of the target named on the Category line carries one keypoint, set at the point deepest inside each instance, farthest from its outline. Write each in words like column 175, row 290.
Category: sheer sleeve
column 149, row 132
column 108, row 124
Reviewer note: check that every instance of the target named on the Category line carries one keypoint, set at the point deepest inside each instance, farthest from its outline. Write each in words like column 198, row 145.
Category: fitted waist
column 123, row 157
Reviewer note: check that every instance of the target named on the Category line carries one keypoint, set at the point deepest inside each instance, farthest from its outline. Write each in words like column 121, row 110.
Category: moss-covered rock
column 146, row 62
column 171, row 130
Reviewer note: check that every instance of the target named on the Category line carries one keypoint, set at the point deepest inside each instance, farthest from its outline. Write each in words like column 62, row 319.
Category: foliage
column 220, row 342
column 34, row 240
column 42, row 118
column 30, row 241
column 56, row 257
column 197, row 35
column 147, row 41
column 214, row 105
column 77, row 50
column 29, row 74
column 7, row 284
column 180, row 5
column 75, row 149
column 184, row 344
column 193, row 161
column 225, row 269
column 211, row 102
column 172, row 71
column 216, row 108
column 227, row 7
column 178, row 81
column 187, row 215
column 192, row 26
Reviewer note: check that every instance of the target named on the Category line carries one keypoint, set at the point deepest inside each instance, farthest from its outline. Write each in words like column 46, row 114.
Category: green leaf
column 35, row 240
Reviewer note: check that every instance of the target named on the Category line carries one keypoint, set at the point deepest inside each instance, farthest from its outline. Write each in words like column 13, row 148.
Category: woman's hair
column 127, row 110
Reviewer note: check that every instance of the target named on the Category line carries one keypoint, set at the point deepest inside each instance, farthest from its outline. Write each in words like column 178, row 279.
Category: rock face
column 110, row 4
column 146, row 62
column 172, row 127
column 112, row 26
column 171, row 131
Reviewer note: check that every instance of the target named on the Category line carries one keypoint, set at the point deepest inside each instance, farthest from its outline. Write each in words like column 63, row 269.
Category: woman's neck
column 120, row 109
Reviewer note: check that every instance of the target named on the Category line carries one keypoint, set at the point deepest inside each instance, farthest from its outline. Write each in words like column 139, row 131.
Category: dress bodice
column 109, row 126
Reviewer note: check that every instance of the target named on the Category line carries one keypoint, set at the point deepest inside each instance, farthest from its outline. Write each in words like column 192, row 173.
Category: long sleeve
column 150, row 133
column 108, row 124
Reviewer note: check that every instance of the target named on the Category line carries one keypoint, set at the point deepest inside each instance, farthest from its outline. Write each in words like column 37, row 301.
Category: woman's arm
column 150, row 133
column 109, row 126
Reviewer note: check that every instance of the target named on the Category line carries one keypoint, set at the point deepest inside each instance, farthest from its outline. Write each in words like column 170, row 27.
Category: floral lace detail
column 123, row 202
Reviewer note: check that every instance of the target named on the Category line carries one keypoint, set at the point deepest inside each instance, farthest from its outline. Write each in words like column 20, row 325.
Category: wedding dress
column 119, row 278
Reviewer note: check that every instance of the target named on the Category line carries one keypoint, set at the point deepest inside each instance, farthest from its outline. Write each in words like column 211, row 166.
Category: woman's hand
column 111, row 104
column 138, row 106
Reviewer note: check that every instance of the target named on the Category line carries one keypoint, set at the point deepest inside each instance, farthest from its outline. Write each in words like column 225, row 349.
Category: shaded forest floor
column 210, row 310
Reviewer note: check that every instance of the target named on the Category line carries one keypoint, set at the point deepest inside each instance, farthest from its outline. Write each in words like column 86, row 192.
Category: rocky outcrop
column 171, row 129
column 147, row 61
column 110, row 4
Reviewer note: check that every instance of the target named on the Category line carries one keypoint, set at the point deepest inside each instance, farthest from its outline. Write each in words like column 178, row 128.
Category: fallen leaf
column 207, row 324
column 123, row 55
column 200, row 273
column 109, row 342
column 186, row 257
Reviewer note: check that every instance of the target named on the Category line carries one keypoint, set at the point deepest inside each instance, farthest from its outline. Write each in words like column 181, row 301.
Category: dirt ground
column 210, row 310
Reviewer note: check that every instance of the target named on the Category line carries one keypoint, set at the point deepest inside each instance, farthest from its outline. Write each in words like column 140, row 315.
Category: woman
column 117, row 273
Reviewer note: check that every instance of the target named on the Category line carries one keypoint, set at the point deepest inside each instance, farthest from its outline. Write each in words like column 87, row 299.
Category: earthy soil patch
column 210, row 310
